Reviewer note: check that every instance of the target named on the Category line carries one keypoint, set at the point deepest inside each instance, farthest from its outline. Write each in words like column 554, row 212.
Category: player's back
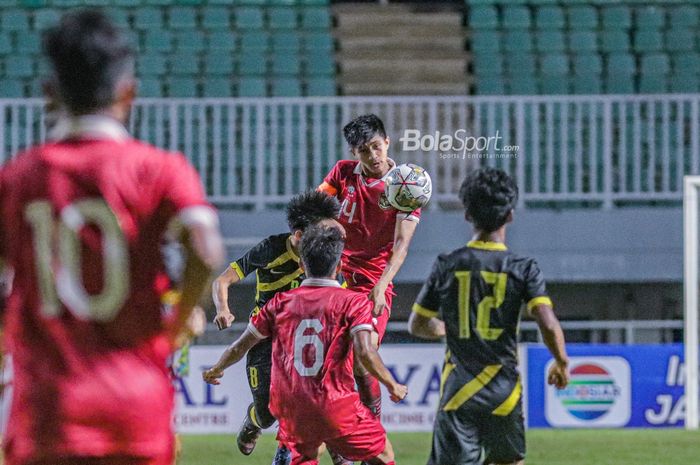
column 82, row 224
column 313, row 389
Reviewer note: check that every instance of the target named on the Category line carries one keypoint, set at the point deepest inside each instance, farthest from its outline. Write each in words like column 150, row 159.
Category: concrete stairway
column 400, row 49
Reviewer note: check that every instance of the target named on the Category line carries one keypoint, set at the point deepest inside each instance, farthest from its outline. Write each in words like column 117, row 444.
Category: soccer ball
column 408, row 187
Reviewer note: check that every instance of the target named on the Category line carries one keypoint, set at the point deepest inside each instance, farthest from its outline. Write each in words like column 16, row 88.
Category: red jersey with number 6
column 312, row 390
column 368, row 218
column 81, row 224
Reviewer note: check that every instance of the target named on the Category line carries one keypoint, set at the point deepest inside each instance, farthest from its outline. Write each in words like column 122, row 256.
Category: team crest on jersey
column 384, row 202
column 351, row 190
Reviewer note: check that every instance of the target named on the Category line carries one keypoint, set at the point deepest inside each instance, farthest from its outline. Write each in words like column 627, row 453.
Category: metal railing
column 591, row 151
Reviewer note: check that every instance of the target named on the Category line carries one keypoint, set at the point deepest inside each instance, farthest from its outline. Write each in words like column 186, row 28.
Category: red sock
column 370, row 393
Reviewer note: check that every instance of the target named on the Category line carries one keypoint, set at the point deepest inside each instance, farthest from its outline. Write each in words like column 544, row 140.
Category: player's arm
column 370, row 358
column 219, row 293
column 553, row 337
column 425, row 327
column 233, row 354
column 403, row 233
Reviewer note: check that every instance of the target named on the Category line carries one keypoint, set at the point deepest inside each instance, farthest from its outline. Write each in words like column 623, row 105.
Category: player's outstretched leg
column 368, row 386
column 385, row 458
column 249, row 433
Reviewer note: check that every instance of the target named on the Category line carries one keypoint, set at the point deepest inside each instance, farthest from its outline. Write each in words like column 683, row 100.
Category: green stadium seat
column 650, row 17
column 515, row 17
column 148, row 18
column 5, row 44
column 28, row 42
column 157, row 41
column 255, row 41
column 655, row 63
column 614, row 41
column 620, row 64
column 320, row 64
column 251, row 64
column 647, row 40
column 119, row 16
column 182, row 17
column 184, row 63
column 70, row 3
column 582, row 17
column 214, row 17
column 24, row 3
column 35, row 88
column 249, row 18
column 289, row 41
column 486, row 41
column 151, row 64
column 683, row 63
column 127, row 3
column 551, row 40
column 10, row 88
column 684, row 83
column 583, row 41
column 587, row 84
column 549, row 17
column 14, row 20
column 219, row 63
column 680, row 39
column 321, row 86
column 315, row 18
column 653, row 84
column 285, row 87
column 217, row 87
column 517, row 41
column 281, row 18
column 490, row 85
column 45, row 18
column 314, row 2
column 616, row 17
column 318, row 40
column 19, row 66
column 150, row 87
column 554, row 64
column 483, row 17
column 522, row 84
column 555, row 84
column 222, row 40
column 182, row 87
column 191, row 41
column 251, row 87
column 285, row 64
column 683, row 16
column 488, row 63
column 587, row 64
column 619, row 84
column 520, row 63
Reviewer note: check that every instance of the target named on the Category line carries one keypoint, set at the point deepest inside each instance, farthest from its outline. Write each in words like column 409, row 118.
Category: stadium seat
column 285, row 64
column 19, row 66
column 685, row 63
column 619, row 84
column 520, row 63
column 258, row 41
column 555, row 85
column 147, row 18
column 587, row 64
column 217, row 87
column 281, row 18
column 5, row 44
column 251, row 87
column 680, row 39
column 320, row 64
column 120, row 3
column 222, row 40
column 286, row 40
column 522, row 84
column 653, row 84
column 655, row 63
column 515, row 17
column 549, row 41
column 182, row 87
column 10, row 88
column 182, row 17
column 285, row 87
column 24, row 3
column 315, row 18
column 588, row 84
column 650, row 17
column 647, row 40
column 583, row 41
column 487, row 63
column 191, row 41
column 119, row 16
column 554, row 64
column 216, row 18
column 314, row 2
column 150, row 87
column 47, row 17
column 683, row 16
column 684, row 83
column 483, row 17
column 582, row 17
column 184, row 63
column 151, row 64
column 318, row 40
column 549, row 17
column 14, row 20
column 490, row 85
column 320, row 86
column 28, row 42
column 616, row 17
column 158, row 41
column 249, row 18
column 517, row 41
column 620, row 64
column 218, row 64
column 251, row 64
column 486, row 41
column 614, row 41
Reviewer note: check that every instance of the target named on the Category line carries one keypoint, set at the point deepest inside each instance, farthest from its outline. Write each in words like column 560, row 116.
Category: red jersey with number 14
column 368, row 218
column 312, row 390
column 81, row 223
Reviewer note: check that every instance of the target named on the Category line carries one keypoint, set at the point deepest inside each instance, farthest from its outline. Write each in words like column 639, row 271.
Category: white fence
column 589, row 151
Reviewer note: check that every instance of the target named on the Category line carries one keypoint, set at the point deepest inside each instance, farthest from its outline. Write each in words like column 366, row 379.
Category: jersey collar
column 320, row 282
column 358, row 171
column 487, row 245
column 88, row 127
column 290, row 249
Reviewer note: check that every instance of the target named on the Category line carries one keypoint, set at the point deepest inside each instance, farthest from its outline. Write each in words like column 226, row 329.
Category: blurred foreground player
column 275, row 261
column 313, row 330
column 378, row 235
column 474, row 296
column 82, row 219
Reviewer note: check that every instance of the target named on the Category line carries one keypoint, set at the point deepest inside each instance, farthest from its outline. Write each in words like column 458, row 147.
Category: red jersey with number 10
column 81, row 223
column 312, row 390
column 368, row 218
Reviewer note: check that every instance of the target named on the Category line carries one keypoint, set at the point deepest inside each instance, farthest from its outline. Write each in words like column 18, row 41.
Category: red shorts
column 367, row 441
column 111, row 460
column 361, row 283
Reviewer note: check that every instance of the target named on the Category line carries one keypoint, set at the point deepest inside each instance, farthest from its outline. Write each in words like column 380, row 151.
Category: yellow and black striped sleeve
column 535, row 288
column 256, row 257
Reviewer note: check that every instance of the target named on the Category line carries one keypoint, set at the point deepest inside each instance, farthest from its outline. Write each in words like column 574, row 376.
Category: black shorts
column 460, row 435
column 258, row 369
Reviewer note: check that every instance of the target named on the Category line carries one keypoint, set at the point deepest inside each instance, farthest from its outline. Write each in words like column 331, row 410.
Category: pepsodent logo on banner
column 598, row 394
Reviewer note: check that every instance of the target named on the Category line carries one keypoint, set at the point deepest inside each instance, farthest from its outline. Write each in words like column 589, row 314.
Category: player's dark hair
column 88, row 55
column 321, row 247
column 362, row 129
column 311, row 207
column 488, row 196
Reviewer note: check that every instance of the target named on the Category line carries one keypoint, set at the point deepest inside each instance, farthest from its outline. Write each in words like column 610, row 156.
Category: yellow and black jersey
column 478, row 291
column 276, row 265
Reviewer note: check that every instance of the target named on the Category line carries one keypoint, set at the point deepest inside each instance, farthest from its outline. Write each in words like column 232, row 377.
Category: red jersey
column 312, row 390
column 81, row 224
column 368, row 218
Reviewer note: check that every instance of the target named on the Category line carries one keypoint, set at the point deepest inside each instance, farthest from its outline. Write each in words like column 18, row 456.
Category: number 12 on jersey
column 487, row 304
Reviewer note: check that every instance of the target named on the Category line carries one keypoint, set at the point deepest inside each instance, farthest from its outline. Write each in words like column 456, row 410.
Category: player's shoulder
column 346, row 167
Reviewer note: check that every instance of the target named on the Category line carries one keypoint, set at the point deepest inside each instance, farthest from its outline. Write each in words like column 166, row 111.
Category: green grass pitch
column 545, row 447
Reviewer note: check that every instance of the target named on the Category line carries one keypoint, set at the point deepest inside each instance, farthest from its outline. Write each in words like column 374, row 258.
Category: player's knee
column 264, row 417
